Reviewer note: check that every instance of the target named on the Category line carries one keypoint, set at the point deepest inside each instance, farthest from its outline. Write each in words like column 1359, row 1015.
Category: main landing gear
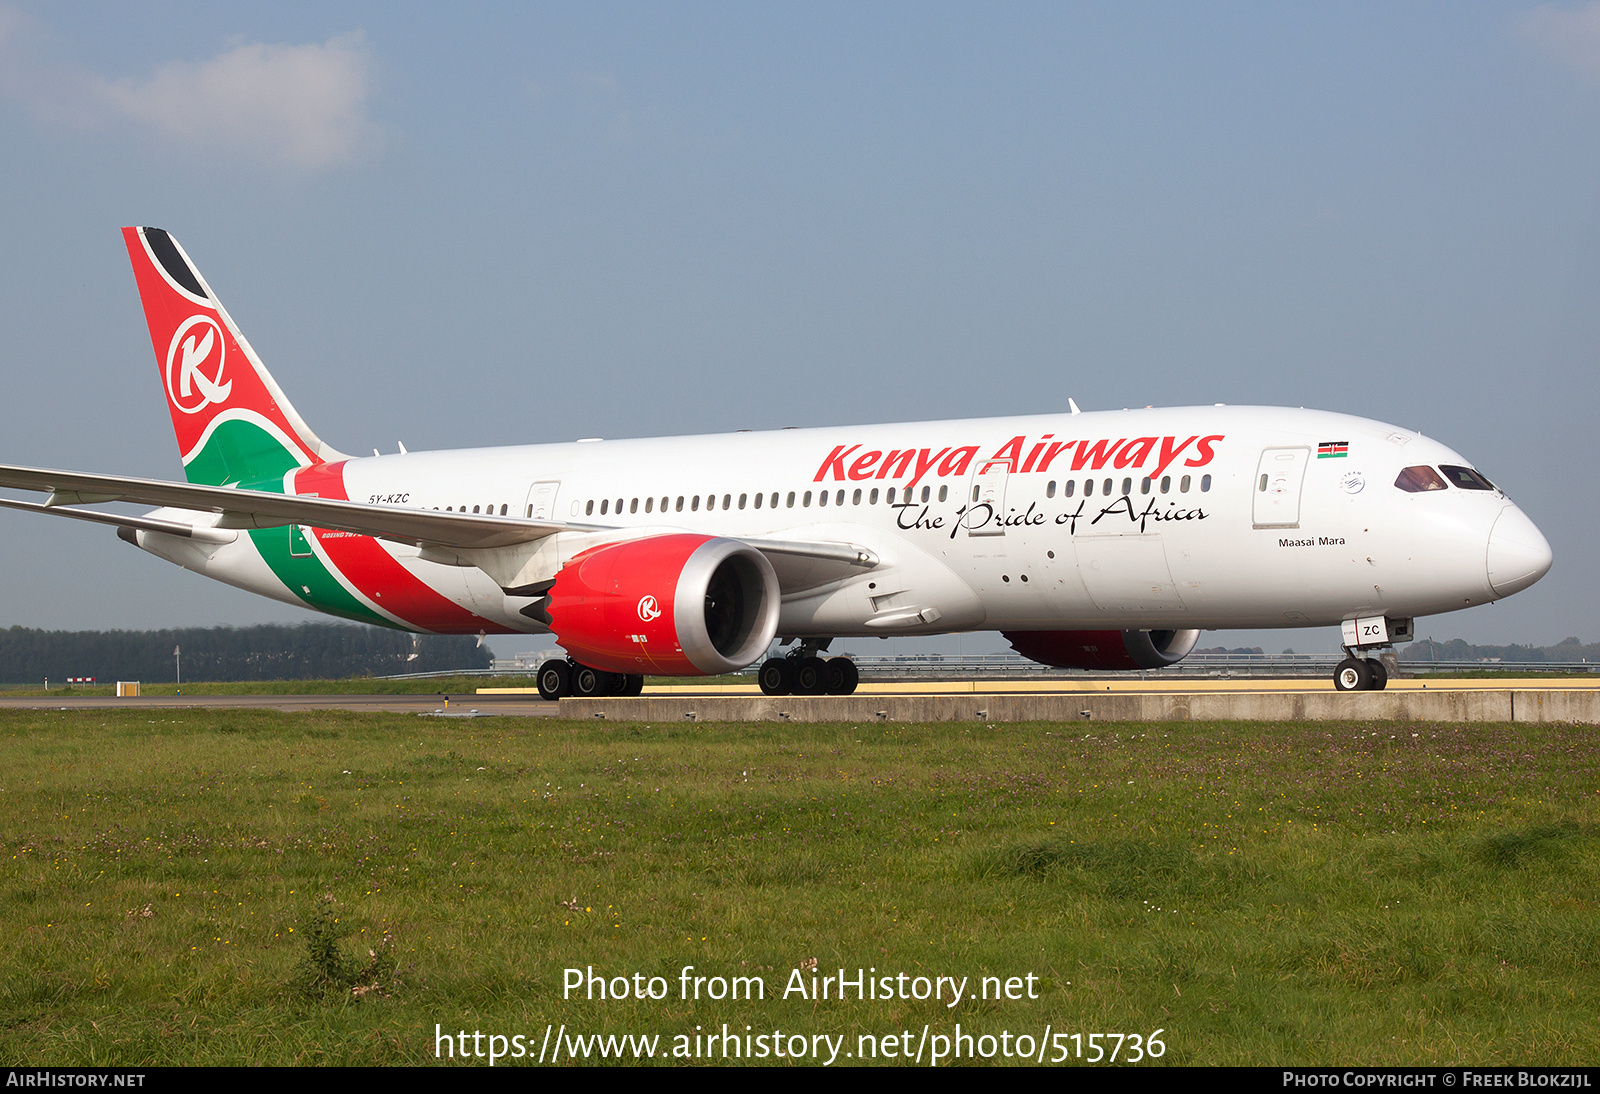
column 559, row 679
column 1360, row 674
column 802, row 672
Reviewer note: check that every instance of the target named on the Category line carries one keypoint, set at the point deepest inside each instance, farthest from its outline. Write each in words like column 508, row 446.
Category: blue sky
column 483, row 223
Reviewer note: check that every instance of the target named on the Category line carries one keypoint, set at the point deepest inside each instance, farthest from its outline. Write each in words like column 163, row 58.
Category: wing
column 799, row 564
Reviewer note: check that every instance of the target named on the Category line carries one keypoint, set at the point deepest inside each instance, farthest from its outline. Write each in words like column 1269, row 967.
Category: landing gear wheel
column 1352, row 675
column 777, row 676
column 811, row 676
column 554, row 679
column 590, row 683
column 843, row 676
column 1380, row 675
column 619, row 683
column 635, row 685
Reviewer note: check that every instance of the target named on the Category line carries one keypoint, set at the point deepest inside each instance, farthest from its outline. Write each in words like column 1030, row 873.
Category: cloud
column 1571, row 36
column 302, row 107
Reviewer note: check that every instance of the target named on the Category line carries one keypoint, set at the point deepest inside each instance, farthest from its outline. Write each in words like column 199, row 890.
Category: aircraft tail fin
column 233, row 422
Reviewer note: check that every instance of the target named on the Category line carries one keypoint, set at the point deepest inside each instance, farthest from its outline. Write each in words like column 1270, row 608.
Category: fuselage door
column 986, row 499
column 541, row 500
column 1279, row 477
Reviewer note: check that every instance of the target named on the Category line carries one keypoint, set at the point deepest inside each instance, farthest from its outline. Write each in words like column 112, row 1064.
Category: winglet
column 232, row 421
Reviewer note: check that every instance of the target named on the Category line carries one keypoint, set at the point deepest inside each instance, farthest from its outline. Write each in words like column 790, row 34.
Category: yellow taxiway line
column 1069, row 687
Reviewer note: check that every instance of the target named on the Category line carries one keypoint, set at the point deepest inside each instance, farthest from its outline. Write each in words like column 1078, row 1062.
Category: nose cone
column 1519, row 554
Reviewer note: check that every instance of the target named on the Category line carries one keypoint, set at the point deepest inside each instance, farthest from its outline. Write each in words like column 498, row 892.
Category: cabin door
column 1276, row 489
column 542, row 500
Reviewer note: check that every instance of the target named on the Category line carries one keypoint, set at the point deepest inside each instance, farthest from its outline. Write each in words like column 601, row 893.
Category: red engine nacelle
column 1104, row 650
column 674, row 605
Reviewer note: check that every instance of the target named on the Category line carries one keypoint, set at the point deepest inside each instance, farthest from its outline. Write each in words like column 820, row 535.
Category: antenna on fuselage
column 1073, row 406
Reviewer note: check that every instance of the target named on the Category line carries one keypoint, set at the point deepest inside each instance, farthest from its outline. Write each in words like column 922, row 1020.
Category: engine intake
column 1104, row 650
column 672, row 605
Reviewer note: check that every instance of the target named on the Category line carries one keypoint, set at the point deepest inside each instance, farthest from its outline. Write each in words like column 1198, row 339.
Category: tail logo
column 192, row 382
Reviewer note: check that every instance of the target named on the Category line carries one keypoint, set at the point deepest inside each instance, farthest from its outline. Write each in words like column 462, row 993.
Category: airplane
column 1096, row 540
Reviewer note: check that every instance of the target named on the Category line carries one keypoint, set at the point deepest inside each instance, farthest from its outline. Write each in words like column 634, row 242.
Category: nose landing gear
column 1363, row 638
column 1360, row 674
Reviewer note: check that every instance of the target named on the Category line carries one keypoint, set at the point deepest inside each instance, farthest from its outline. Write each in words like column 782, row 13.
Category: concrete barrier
column 1433, row 705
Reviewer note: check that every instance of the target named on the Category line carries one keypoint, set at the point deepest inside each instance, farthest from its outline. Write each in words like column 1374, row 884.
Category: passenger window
column 944, row 493
column 1144, row 485
column 1105, row 488
column 1205, row 483
column 1420, row 480
column 806, row 501
column 822, row 497
column 1127, row 487
column 1166, row 484
column 1465, row 477
column 678, row 508
column 1261, row 487
column 1088, row 488
column 855, row 499
column 758, row 500
column 1183, row 485
column 588, row 509
column 873, row 497
column 633, row 506
column 925, row 491
column 1050, row 489
column 1069, row 488
column 604, row 502
column 726, row 498
column 790, row 500
column 649, row 505
column 890, row 497
column 694, row 503
column 772, row 503
column 742, row 499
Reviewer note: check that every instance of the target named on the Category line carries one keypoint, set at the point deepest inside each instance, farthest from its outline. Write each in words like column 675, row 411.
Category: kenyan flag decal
column 1333, row 450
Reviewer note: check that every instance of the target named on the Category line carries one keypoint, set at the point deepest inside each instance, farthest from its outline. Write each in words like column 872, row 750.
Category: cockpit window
column 1420, row 479
column 1465, row 477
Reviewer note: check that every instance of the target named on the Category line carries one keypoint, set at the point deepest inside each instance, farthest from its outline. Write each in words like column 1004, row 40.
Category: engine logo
column 193, row 382
column 648, row 608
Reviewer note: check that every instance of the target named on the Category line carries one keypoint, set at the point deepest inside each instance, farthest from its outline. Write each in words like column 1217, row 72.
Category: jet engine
column 670, row 605
column 1104, row 650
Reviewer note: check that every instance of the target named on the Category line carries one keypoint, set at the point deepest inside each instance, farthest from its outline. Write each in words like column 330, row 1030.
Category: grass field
column 215, row 887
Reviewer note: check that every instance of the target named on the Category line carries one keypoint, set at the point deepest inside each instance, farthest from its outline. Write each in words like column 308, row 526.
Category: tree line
column 1456, row 649
column 306, row 651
